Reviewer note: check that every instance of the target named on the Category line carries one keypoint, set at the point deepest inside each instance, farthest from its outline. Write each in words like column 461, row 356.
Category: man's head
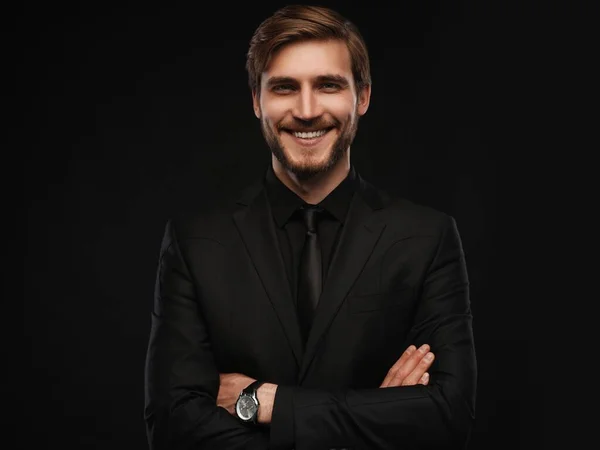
column 310, row 79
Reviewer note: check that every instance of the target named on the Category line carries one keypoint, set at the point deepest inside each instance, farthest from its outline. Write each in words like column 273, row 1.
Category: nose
column 307, row 105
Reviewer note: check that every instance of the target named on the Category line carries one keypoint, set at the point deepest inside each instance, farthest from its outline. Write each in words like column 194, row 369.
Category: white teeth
column 310, row 134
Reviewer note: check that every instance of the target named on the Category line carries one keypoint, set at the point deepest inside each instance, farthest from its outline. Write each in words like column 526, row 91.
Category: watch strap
column 252, row 387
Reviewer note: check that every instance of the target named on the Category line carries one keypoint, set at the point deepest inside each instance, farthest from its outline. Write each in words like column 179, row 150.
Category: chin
column 305, row 163
column 304, row 158
column 307, row 167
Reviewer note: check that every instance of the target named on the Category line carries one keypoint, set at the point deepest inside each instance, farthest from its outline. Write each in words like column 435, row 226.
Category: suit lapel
column 358, row 239
column 258, row 233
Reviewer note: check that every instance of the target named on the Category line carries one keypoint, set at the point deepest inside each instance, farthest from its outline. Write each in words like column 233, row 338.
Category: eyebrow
column 330, row 78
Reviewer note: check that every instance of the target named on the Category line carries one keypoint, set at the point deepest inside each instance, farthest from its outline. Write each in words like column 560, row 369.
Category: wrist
column 266, row 397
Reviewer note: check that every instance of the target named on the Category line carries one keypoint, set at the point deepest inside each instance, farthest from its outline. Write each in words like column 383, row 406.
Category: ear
column 364, row 98
column 256, row 103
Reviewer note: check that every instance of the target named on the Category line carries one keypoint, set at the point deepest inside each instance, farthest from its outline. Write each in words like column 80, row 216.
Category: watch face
column 245, row 407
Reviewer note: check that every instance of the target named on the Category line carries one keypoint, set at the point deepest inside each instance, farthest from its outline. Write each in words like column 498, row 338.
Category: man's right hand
column 411, row 368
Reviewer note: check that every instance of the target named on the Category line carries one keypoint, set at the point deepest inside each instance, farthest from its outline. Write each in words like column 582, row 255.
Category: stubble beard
column 308, row 169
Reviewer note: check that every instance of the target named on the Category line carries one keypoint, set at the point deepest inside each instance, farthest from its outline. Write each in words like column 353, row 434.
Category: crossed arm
column 188, row 402
column 410, row 369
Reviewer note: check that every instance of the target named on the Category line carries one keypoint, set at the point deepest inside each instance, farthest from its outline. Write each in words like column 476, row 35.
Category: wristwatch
column 246, row 406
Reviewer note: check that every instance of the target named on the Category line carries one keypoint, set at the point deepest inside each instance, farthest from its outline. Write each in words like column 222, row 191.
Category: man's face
column 309, row 106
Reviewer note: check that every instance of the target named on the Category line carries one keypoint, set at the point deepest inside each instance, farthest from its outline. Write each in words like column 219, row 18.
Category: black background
column 134, row 114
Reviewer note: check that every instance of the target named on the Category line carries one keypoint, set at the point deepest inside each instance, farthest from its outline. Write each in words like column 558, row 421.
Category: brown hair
column 299, row 23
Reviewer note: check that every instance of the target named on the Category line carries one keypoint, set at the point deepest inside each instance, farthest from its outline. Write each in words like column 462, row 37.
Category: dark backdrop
column 133, row 115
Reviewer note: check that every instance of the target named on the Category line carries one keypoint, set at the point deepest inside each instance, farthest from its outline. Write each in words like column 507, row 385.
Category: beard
column 307, row 169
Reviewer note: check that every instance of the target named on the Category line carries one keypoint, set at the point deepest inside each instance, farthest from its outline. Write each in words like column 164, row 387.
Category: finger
column 390, row 373
column 403, row 358
column 398, row 365
column 408, row 366
column 424, row 379
column 419, row 370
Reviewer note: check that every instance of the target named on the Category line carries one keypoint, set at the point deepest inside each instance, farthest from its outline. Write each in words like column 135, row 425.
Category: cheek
column 274, row 110
column 341, row 108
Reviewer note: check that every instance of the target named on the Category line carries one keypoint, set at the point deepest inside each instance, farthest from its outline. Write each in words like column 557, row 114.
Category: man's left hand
column 230, row 388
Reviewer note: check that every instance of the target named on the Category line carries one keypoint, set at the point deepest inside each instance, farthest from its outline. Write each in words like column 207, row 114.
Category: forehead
column 310, row 59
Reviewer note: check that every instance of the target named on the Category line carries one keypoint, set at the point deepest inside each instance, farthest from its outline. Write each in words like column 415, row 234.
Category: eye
column 330, row 86
column 283, row 88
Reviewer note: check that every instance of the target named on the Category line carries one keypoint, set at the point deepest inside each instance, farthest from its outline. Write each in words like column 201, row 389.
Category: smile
column 309, row 134
column 308, row 138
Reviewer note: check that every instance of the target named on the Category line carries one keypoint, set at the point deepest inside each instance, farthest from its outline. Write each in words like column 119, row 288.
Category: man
column 307, row 313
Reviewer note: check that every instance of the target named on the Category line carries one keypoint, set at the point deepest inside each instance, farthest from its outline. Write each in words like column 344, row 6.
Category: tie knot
column 310, row 215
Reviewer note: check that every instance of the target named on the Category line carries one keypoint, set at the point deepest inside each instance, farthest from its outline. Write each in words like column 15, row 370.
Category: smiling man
column 309, row 107
column 316, row 311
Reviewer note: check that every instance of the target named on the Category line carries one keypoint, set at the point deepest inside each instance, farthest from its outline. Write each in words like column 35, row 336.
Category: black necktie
column 309, row 276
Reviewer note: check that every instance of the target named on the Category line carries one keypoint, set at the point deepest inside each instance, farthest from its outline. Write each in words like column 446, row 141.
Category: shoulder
column 398, row 211
column 215, row 220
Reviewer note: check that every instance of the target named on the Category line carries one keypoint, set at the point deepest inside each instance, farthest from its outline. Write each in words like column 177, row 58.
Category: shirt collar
column 284, row 202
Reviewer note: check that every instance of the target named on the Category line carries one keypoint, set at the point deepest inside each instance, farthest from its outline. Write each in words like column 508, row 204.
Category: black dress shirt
column 290, row 229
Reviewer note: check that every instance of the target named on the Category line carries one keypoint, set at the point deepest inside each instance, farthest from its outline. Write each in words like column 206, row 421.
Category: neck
column 318, row 187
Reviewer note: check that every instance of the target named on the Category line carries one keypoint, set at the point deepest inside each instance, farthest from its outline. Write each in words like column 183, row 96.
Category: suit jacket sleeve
column 182, row 380
column 439, row 415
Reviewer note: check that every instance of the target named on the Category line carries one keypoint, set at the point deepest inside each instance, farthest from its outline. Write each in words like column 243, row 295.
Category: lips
column 309, row 134
column 323, row 129
column 308, row 138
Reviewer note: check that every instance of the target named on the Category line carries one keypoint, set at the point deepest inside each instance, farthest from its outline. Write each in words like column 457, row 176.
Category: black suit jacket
column 223, row 304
